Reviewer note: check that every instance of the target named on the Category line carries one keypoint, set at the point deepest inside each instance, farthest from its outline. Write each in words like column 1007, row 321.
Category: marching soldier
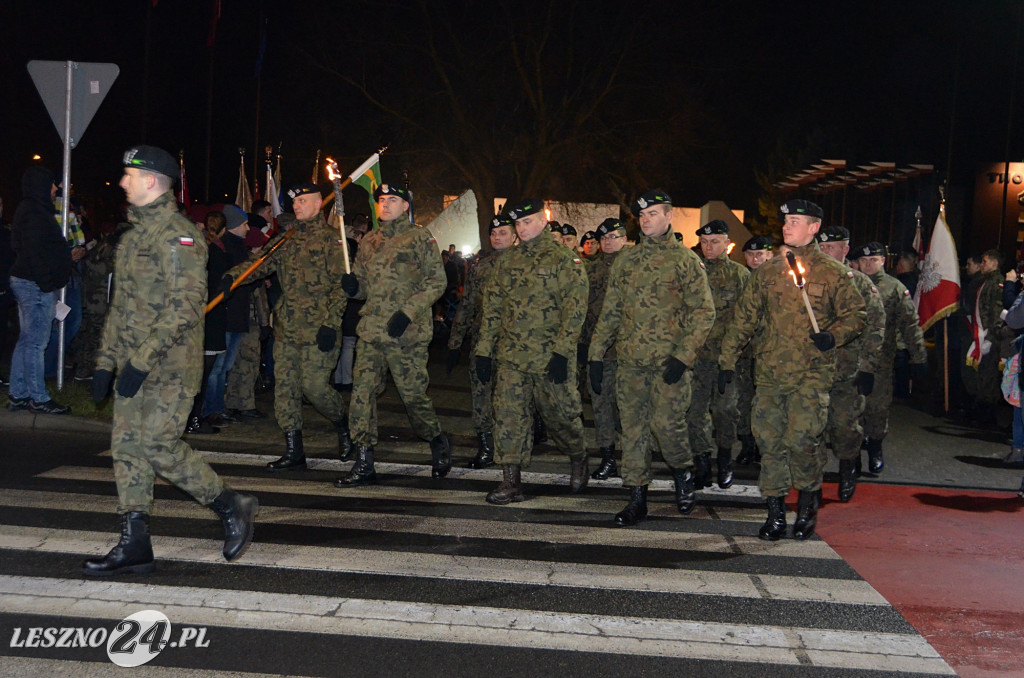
column 857, row 363
column 467, row 326
column 533, row 310
column 756, row 251
column 307, row 322
column 657, row 312
column 153, row 340
column 712, row 415
column 794, row 365
column 569, row 236
column 612, row 236
column 900, row 319
column 398, row 271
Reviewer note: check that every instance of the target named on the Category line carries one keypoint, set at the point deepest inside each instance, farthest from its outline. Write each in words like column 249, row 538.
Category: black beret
column 802, row 207
column 151, row 159
column 716, row 227
column 757, row 244
column 678, row 235
column 524, row 208
column 303, row 189
column 391, row 189
column 589, row 235
column 555, row 227
column 607, row 226
column 872, row 249
column 833, row 234
column 649, row 198
column 568, row 229
column 498, row 221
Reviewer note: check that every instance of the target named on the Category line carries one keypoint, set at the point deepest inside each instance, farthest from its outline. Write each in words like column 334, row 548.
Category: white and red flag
column 938, row 290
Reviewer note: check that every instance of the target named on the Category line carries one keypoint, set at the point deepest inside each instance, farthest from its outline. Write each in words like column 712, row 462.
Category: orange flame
column 547, row 214
column 332, row 169
column 799, row 267
column 729, row 249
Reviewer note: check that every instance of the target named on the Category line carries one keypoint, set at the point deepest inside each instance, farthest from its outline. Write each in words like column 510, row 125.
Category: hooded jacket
column 41, row 253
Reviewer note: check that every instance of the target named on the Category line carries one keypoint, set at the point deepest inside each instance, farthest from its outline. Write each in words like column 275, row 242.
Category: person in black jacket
column 42, row 266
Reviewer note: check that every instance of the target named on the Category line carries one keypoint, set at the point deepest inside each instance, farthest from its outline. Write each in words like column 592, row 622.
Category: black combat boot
column 875, row 461
column 724, row 468
column 484, row 451
column 847, row 479
column 806, row 514
column 238, row 513
column 133, row 553
column 702, row 471
column 748, row 451
column 775, row 527
column 511, row 488
column 294, row 458
column 579, row 474
column 344, row 439
column 686, row 490
column 540, row 431
column 197, row 426
column 608, row 468
column 441, row 456
column 636, row 509
column 362, row 472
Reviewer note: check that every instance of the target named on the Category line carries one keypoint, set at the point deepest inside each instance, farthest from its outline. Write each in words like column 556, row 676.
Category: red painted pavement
column 950, row 561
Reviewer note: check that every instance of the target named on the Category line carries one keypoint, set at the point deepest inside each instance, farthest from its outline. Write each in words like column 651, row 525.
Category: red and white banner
column 938, row 289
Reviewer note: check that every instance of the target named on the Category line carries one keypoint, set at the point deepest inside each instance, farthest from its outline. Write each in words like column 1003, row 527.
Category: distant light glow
column 37, row 157
column 467, row 250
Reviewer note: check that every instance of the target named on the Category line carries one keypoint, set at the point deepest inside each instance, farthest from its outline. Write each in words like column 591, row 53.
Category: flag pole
column 256, row 264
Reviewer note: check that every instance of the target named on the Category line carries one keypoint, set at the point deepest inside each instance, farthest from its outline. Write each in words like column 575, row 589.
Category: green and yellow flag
column 367, row 176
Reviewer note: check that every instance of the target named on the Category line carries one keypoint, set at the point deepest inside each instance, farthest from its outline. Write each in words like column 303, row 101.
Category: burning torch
column 339, row 207
column 797, row 271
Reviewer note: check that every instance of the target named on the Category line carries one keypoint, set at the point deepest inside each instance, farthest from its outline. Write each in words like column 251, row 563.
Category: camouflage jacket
column 598, row 269
column 467, row 319
column 309, row 268
column 864, row 353
column 726, row 278
column 901, row 318
column 985, row 292
column 399, row 268
column 98, row 272
column 156, row 314
column 534, row 305
column 785, row 356
column 658, row 304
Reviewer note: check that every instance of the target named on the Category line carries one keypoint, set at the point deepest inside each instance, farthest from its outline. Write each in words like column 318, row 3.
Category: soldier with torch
column 805, row 310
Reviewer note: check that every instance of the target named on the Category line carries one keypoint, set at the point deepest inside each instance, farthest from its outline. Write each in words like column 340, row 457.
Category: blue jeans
column 217, row 381
column 72, row 323
column 35, row 313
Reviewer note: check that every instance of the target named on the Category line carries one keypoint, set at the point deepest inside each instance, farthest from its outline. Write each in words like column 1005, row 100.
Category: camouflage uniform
column 466, row 328
column 98, row 271
column 792, row 376
column 712, row 415
column 657, row 306
column 240, row 391
column 900, row 320
column 982, row 381
column 399, row 268
column 533, row 307
column 309, row 267
column 156, row 322
column 606, row 406
column 861, row 354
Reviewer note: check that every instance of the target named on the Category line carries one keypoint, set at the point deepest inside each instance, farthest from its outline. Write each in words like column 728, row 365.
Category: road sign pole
column 65, row 208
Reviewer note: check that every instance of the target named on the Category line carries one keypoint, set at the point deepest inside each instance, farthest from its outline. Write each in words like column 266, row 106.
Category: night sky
column 723, row 89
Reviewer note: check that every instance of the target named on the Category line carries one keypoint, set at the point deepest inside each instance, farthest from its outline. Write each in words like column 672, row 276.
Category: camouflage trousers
column 516, row 394
column 983, row 384
column 408, row 367
column 606, row 407
column 711, row 418
column 146, row 442
column 843, row 431
column 240, row 392
column 788, row 424
column 87, row 341
column 744, row 394
column 304, row 371
column 653, row 417
column 876, row 406
column 483, row 405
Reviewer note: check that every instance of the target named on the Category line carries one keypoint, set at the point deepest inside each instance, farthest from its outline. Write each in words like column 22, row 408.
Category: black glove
column 823, row 340
column 396, row 326
column 483, row 368
column 582, row 351
column 350, row 284
column 130, row 380
column 724, row 379
column 326, row 338
column 266, row 332
column 101, row 384
column 674, row 369
column 596, row 369
column 453, row 359
column 224, row 286
column 558, row 368
column 864, row 382
column 919, row 371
